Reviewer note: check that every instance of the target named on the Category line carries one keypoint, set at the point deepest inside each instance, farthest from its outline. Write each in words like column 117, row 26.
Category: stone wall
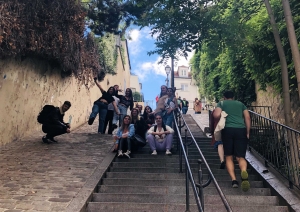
column 271, row 98
column 26, row 86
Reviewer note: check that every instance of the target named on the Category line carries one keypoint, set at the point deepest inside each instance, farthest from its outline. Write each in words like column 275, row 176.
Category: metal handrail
column 189, row 172
column 211, row 176
column 278, row 145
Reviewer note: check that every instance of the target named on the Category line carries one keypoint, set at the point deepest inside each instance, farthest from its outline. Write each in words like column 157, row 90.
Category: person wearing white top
column 160, row 137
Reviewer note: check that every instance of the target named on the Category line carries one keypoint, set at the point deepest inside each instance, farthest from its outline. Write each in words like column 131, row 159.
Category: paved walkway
column 201, row 119
column 53, row 177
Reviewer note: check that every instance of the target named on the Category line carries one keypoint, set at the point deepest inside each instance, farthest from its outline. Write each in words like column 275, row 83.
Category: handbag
column 140, row 141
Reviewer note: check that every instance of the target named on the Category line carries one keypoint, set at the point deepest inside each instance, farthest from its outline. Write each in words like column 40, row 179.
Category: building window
column 184, row 87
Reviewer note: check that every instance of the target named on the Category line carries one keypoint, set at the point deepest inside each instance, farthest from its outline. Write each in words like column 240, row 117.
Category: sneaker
column 235, row 184
column 168, row 152
column 45, row 140
column 53, row 140
column 91, row 121
column 154, row 152
column 245, row 185
column 120, row 153
column 127, row 154
column 222, row 166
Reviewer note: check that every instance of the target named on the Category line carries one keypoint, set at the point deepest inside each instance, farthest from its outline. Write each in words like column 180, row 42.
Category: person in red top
column 217, row 144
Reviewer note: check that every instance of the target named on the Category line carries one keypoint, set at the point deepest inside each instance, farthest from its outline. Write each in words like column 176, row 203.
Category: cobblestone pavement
column 46, row 177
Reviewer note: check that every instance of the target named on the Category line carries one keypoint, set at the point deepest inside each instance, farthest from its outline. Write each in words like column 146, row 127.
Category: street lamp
column 168, row 71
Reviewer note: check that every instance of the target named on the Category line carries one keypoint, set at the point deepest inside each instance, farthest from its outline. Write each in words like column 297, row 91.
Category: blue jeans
column 168, row 119
column 123, row 112
column 184, row 110
column 101, row 108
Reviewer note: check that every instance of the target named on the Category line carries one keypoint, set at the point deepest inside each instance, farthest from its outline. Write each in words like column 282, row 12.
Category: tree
column 292, row 39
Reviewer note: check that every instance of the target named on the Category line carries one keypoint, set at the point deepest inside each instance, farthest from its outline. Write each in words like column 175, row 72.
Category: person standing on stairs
column 101, row 106
column 125, row 103
column 124, row 135
column 160, row 136
column 217, row 144
column 235, row 136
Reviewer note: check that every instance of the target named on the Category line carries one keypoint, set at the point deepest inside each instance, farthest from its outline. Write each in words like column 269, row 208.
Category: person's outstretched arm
column 247, row 121
column 99, row 86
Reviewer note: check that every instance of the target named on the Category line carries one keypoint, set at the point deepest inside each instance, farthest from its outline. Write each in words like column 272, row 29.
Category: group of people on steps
column 230, row 124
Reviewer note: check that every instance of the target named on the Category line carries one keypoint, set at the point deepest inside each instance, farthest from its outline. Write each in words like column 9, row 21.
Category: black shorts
column 235, row 141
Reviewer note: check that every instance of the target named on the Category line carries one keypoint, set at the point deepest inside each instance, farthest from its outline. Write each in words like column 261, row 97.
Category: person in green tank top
column 235, row 136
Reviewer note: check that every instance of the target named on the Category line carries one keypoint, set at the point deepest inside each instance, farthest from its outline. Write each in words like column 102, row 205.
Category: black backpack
column 45, row 113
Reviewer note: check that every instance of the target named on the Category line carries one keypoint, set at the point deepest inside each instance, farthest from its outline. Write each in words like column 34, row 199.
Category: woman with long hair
column 101, row 106
column 170, row 105
column 160, row 105
column 140, row 127
column 160, row 137
column 148, row 116
column 125, row 103
column 124, row 135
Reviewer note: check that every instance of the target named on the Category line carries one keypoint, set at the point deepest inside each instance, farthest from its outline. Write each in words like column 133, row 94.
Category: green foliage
column 234, row 43
column 137, row 96
column 108, row 53
column 109, row 15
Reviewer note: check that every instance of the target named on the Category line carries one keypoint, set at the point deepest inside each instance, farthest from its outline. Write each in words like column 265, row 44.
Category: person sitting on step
column 160, row 136
column 140, row 127
column 124, row 134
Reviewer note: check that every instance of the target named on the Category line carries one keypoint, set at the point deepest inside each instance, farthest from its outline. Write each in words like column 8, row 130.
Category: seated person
column 160, row 136
column 124, row 134
column 148, row 117
column 54, row 125
column 140, row 127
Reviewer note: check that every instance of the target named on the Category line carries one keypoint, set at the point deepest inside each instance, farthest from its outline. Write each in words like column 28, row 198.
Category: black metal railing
column 262, row 110
column 278, row 145
column 183, row 148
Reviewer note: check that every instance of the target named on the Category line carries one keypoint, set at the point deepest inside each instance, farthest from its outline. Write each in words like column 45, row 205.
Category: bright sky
column 151, row 74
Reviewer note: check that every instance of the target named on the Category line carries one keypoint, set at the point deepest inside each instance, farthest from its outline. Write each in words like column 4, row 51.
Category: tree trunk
column 292, row 39
column 285, row 89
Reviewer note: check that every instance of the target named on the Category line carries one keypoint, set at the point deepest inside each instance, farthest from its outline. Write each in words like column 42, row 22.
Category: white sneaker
column 168, row 152
column 120, row 153
column 127, row 154
column 154, row 152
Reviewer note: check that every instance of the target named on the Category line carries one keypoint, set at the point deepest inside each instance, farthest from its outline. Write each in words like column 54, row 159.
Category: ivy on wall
column 108, row 53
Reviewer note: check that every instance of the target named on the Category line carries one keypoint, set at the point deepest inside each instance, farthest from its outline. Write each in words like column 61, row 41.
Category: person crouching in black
column 55, row 125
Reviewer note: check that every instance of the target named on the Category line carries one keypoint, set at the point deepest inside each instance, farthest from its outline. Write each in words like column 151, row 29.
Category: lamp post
column 168, row 70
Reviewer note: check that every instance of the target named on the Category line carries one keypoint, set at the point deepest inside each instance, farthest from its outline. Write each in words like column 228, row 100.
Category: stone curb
column 275, row 181
column 79, row 202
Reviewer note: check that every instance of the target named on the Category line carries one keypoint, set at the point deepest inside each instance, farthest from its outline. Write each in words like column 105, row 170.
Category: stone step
column 165, row 170
column 162, row 164
column 163, row 176
column 147, row 207
column 180, row 190
column 166, row 159
column 173, row 182
column 213, row 155
column 180, row 199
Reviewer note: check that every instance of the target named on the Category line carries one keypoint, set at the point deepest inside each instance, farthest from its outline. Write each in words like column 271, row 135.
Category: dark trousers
column 108, row 120
column 53, row 130
column 122, row 143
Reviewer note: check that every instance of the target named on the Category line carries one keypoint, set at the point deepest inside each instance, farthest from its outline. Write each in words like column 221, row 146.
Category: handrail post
column 200, row 178
column 180, row 152
column 187, row 189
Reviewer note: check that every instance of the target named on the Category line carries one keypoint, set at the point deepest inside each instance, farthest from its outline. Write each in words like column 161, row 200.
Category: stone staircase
column 147, row 183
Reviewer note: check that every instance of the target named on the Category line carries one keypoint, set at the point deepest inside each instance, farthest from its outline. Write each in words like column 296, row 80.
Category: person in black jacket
column 140, row 127
column 55, row 124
